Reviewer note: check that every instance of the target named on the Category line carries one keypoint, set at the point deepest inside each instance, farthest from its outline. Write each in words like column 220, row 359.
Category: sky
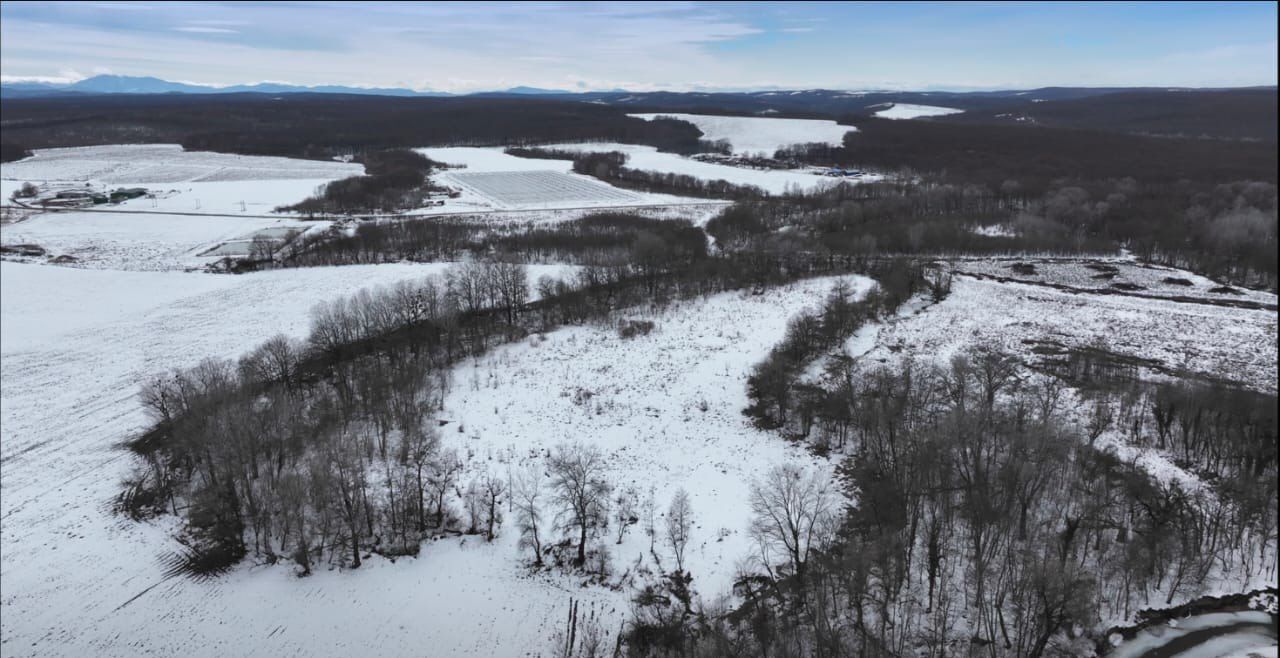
column 474, row 46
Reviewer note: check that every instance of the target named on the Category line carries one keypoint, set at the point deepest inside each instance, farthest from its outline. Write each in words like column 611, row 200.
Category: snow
column 1255, row 652
column 491, row 158
column 1255, row 636
column 1238, row 344
column 184, row 181
column 1084, row 273
column 76, row 345
column 1152, row 461
column 1204, row 340
column 909, row 111
column 761, row 135
column 80, row 581
column 137, row 241
column 647, row 158
column 644, row 411
column 540, row 189
column 491, row 180
column 995, row 231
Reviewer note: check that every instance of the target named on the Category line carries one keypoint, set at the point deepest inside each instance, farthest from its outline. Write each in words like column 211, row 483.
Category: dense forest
column 321, row 126
column 1236, row 114
column 1204, row 205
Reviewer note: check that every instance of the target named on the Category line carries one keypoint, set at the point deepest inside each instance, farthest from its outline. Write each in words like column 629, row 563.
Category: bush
column 628, row 329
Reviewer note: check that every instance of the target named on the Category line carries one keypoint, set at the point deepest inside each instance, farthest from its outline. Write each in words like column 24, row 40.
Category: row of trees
column 1225, row 231
column 610, row 167
column 779, row 399
column 596, row 238
column 324, row 448
column 394, row 179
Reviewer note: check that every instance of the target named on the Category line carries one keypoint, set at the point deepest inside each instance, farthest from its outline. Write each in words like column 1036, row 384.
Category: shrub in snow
column 631, row 328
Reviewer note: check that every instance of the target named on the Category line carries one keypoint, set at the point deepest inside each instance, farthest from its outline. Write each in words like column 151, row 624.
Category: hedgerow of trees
column 322, row 450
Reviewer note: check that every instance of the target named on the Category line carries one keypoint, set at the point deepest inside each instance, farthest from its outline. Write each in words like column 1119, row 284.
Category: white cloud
column 204, row 29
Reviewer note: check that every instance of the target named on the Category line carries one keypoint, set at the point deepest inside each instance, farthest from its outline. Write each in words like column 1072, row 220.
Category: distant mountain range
column 124, row 84
column 1241, row 113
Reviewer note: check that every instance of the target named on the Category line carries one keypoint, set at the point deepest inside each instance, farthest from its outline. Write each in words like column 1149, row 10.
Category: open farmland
column 144, row 241
column 178, row 180
column 910, row 111
column 761, row 135
column 647, row 158
column 540, row 189
column 491, row 180
column 1203, row 340
column 61, row 465
column 166, row 163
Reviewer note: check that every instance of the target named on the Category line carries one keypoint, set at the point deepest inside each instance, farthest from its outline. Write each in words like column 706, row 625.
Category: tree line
column 1225, row 231
column 610, row 167
column 324, row 449
column 596, row 238
column 394, row 180
column 321, row 125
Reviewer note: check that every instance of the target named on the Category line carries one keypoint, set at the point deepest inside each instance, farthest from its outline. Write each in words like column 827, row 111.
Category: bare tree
column 444, row 472
column 624, row 511
column 474, row 502
column 679, row 525
column 579, row 488
column 650, row 512
column 791, row 510
column 511, row 283
column 527, row 494
column 493, row 489
column 262, row 249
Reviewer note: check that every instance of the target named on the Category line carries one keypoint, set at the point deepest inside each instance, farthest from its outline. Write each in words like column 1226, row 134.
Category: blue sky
column 686, row 45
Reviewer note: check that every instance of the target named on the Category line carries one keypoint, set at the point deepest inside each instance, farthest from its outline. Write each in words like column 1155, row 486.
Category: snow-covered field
column 185, row 181
column 76, row 345
column 648, row 158
column 540, row 189
column 761, row 134
column 698, row 213
column 1236, row 344
column 909, row 111
column 137, row 242
column 80, row 581
column 1112, row 274
column 490, row 180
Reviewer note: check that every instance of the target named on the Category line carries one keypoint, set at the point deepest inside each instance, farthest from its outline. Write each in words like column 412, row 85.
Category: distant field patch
column 167, row 163
column 515, row 189
column 760, row 134
column 908, row 111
